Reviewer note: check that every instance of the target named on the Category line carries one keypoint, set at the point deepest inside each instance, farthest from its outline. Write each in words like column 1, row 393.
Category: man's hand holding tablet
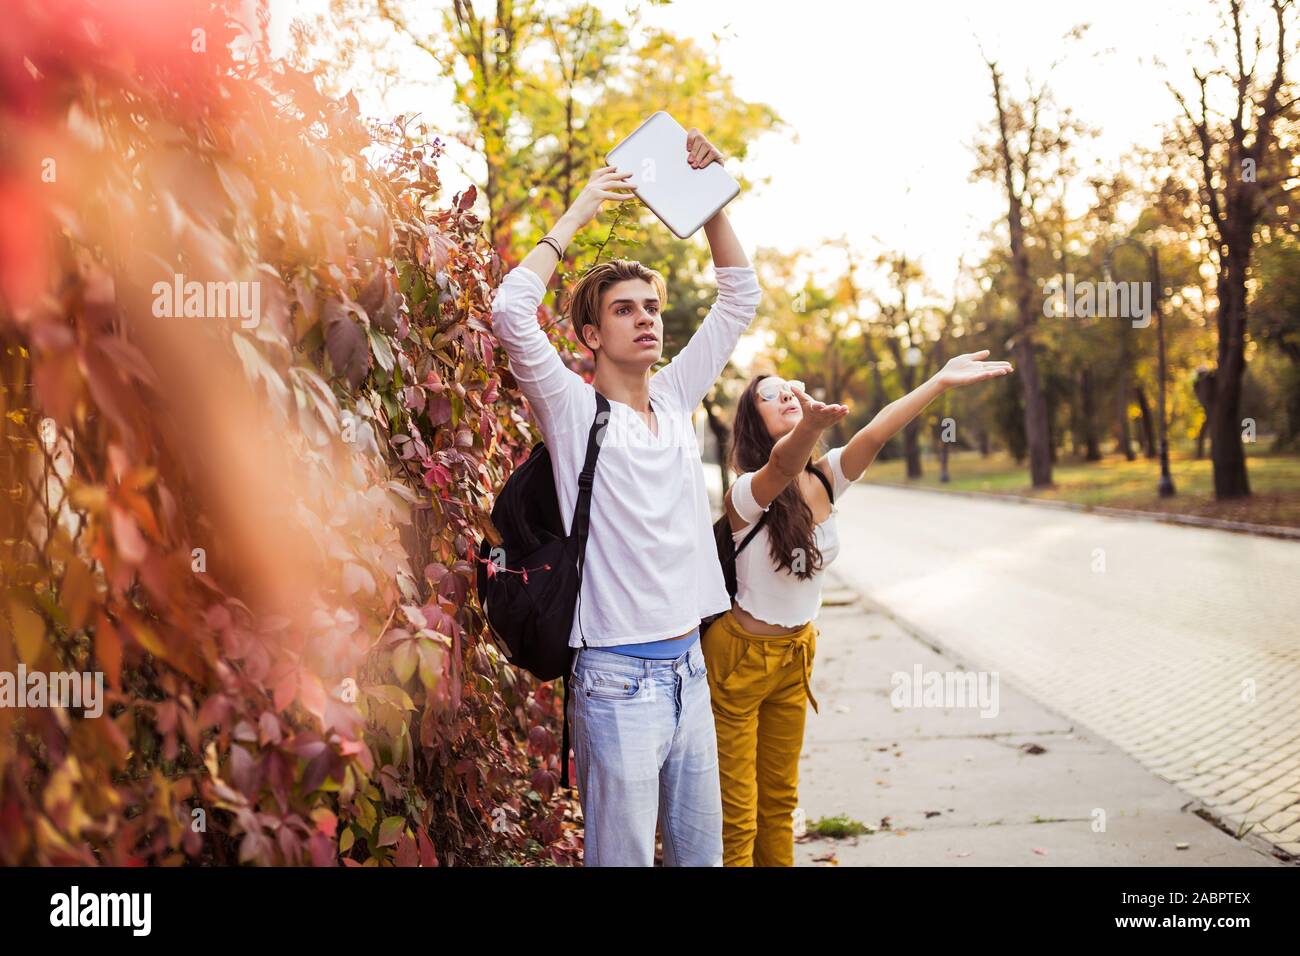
column 677, row 173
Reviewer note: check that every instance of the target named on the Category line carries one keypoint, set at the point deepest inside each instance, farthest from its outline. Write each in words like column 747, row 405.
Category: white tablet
column 683, row 198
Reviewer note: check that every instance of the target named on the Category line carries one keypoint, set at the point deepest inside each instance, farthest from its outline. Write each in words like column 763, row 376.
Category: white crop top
column 768, row 592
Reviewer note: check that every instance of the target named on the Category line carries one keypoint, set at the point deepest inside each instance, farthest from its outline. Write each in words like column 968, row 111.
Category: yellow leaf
column 146, row 638
column 48, row 838
column 29, row 631
column 92, row 498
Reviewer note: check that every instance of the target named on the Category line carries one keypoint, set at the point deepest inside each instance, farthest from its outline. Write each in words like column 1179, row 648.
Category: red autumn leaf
column 326, row 822
column 108, row 650
column 286, row 689
column 407, row 853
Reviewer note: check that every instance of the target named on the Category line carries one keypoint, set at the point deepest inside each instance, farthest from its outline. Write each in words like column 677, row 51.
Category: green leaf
column 395, row 412
column 405, row 659
column 313, row 339
column 390, row 830
column 379, row 345
column 394, row 695
column 430, row 662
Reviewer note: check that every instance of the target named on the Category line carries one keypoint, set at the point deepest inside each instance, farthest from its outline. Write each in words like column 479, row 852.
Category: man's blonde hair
column 584, row 305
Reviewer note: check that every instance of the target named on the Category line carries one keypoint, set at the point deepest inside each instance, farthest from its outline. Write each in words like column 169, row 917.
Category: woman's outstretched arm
column 863, row 447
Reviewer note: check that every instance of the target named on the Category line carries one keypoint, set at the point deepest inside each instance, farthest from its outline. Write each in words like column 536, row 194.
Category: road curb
column 1196, row 521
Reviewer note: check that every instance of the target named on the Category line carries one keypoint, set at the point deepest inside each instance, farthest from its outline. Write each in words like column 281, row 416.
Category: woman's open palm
column 970, row 368
column 817, row 414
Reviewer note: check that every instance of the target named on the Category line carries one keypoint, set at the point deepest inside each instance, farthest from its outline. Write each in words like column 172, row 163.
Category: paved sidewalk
column 1179, row 645
column 947, row 787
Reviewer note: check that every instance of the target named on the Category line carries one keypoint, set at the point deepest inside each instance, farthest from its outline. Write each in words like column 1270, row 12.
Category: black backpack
column 530, row 596
column 728, row 549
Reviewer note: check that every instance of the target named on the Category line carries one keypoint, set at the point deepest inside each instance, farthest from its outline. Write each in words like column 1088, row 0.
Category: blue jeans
column 645, row 750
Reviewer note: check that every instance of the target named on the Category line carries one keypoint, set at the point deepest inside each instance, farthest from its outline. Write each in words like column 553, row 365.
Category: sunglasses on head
column 772, row 388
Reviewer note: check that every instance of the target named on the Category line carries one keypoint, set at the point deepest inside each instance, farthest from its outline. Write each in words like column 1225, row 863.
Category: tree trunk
column 1125, row 443
column 1092, row 447
column 1236, row 203
column 1226, row 450
column 1036, row 436
column 1031, row 387
column 912, row 448
column 1148, row 428
column 1203, row 388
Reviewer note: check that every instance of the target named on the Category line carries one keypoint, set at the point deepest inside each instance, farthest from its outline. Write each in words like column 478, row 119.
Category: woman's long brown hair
column 790, row 526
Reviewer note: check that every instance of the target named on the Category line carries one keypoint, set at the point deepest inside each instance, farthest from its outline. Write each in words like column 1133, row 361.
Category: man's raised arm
column 697, row 366
column 547, row 383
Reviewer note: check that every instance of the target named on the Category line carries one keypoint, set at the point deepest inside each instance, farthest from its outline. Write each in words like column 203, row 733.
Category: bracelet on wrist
column 554, row 245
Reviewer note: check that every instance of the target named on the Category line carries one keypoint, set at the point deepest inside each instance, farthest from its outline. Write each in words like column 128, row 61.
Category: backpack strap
column 750, row 537
column 564, row 735
column 826, row 483
column 586, row 478
column 579, row 529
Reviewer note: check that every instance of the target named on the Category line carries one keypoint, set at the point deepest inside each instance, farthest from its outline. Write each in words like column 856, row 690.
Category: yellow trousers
column 760, row 688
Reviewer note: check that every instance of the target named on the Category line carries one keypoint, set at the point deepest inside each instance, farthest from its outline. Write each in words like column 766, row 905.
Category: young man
column 645, row 747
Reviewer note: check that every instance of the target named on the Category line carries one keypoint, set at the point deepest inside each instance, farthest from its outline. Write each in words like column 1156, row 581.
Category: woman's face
column 777, row 405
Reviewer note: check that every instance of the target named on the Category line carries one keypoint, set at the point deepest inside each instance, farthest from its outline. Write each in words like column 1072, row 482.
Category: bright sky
column 882, row 102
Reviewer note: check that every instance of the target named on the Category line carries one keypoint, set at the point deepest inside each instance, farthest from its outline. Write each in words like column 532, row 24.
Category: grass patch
column 837, row 828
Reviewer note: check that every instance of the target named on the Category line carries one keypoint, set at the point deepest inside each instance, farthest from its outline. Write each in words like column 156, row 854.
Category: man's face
column 631, row 329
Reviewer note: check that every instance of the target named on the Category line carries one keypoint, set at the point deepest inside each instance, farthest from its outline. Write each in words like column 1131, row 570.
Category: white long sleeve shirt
column 651, row 569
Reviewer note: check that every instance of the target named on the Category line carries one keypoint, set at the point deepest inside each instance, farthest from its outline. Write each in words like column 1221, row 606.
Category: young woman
column 758, row 655
column 645, row 749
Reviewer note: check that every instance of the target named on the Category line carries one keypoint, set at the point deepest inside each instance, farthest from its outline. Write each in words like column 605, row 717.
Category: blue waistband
column 665, row 650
